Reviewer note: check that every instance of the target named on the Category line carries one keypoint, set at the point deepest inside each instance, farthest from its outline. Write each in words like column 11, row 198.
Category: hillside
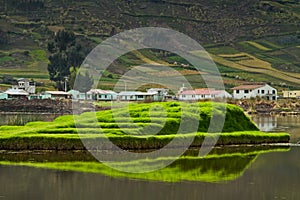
column 251, row 40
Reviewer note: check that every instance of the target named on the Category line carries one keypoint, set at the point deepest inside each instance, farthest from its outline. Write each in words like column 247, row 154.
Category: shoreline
column 64, row 134
column 74, row 142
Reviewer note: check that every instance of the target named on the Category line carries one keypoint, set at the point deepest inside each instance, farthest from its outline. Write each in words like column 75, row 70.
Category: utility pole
column 66, row 79
column 125, row 85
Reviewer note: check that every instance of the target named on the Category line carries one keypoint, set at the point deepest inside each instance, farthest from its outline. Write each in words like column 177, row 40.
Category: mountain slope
column 260, row 30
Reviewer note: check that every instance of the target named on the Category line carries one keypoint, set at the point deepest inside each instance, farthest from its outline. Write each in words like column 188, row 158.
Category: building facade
column 136, row 96
column 201, row 94
column 25, row 84
column 54, row 95
column 291, row 94
column 102, row 95
column 255, row 90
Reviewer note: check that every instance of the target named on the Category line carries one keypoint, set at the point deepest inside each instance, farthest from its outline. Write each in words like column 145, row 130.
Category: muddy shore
column 46, row 106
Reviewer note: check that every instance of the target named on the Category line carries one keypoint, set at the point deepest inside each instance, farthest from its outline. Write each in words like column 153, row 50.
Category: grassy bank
column 144, row 126
column 91, row 141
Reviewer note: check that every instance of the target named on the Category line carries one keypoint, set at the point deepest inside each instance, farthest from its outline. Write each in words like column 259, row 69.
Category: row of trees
column 66, row 56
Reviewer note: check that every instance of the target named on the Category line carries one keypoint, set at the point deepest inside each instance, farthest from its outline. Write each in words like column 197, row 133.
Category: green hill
column 250, row 40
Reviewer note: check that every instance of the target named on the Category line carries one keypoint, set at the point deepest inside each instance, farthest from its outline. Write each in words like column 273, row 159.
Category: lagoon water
column 265, row 175
column 271, row 176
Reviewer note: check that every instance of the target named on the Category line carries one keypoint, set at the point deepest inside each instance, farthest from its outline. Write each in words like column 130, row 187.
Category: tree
column 63, row 56
column 84, row 82
column 58, row 68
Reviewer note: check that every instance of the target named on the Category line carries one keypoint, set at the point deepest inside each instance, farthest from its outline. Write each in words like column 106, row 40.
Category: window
column 237, row 91
column 193, row 96
column 262, row 91
column 202, row 96
column 273, row 91
column 258, row 91
column 183, row 96
column 246, row 91
column 105, row 96
column 140, row 96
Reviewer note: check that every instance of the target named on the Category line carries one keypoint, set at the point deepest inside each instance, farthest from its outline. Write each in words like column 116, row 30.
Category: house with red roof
column 248, row 91
column 201, row 94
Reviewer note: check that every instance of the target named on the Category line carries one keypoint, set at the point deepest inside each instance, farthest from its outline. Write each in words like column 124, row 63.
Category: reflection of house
column 201, row 94
column 291, row 94
column 136, row 96
column 55, row 95
column 254, row 90
column 102, row 95
column 16, row 93
column 25, row 84
column 266, row 124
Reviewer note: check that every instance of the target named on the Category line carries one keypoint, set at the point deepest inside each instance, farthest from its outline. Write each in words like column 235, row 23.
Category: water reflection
column 221, row 165
column 266, row 123
column 290, row 124
column 272, row 176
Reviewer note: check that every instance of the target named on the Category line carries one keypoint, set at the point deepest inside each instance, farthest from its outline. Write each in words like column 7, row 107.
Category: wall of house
column 264, row 91
column 106, row 97
column 194, row 97
column 3, row 96
column 291, row 94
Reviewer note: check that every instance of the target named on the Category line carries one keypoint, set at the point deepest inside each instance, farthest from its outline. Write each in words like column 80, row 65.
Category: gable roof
column 99, row 91
column 136, row 93
column 17, row 92
column 248, row 87
column 57, row 92
column 202, row 91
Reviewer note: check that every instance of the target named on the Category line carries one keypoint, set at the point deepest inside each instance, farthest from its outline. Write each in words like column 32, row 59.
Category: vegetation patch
column 258, row 46
column 145, row 126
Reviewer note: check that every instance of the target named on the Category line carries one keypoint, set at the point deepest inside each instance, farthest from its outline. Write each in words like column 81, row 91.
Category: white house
column 160, row 93
column 201, row 94
column 54, row 95
column 76, row 95
column 102, row 95
column 25, row 84
column 16, row 93
column 136, row 96
column 253, row 91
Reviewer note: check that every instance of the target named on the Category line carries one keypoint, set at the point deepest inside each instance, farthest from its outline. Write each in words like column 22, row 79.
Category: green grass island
column 140, row 127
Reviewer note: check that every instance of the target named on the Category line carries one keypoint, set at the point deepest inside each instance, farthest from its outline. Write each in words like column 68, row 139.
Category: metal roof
column 14, row 91
column 135, row 93
column 57, row 92
column 99, row 91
